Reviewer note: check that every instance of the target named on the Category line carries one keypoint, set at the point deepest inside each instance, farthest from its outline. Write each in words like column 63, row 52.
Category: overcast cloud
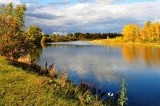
column 92, row 16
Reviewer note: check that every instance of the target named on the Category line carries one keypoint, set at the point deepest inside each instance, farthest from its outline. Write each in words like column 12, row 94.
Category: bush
column 13, row 43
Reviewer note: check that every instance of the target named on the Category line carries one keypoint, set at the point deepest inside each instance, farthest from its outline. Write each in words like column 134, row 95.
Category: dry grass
column 24, row 59
column 120, row 41
column 52, row 72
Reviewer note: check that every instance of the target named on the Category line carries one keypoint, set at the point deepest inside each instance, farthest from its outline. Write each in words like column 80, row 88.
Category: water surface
column 108, row 65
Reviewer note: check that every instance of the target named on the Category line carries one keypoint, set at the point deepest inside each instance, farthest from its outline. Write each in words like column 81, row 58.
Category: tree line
column 150, row 32
column 77, row 36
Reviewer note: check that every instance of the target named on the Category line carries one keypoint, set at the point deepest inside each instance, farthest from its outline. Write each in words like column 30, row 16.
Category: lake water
column 108, row 65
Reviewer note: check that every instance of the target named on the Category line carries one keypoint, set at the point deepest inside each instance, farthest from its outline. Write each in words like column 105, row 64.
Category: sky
column 93, row 16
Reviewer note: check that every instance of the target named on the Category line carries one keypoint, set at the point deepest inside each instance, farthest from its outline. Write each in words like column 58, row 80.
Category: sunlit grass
column 23, row 86
column 120, row 41
column 109, row 41
column 17, row 87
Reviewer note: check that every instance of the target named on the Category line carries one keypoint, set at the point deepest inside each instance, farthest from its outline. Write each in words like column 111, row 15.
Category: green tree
column 70, row 35
column 44, row 39
column 13, row 43
column 34, row 34
column 46, row 35
column 77, row 34
column 81, row 36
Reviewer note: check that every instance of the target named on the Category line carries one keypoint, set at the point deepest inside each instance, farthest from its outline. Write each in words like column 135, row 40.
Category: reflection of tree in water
column 127, row 53
column 150, row 55
column 157, row 56
column 43, row 45
column 63, row 45
column 36, row 52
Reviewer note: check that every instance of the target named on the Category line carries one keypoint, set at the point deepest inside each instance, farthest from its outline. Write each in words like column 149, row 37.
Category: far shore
column 120, row 42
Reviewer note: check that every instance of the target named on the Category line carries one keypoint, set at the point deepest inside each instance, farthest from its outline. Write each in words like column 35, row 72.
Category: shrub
column 13, row 43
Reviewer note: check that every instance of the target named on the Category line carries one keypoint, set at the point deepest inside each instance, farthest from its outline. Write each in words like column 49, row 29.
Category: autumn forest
column 150, row 32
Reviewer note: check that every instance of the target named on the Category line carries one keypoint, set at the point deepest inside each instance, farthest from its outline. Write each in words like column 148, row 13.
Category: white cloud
column 105, row 1
column 90, row 17
column 16, row 2
column 102, row 2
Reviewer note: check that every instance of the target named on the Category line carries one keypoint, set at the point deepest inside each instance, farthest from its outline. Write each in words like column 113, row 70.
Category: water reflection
column 108, row 65
column 84, row 60
column 150, row 55
column 36, row 52
column 87, row 59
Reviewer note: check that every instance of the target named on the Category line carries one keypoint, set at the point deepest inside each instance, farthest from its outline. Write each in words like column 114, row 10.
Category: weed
column 52, row 72
column 123, row 98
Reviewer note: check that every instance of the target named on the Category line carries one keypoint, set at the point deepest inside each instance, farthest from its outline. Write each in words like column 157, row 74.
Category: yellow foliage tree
column 150, row 32
column 129, row 32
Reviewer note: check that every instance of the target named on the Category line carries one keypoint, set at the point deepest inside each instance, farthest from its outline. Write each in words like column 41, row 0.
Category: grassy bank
column 20, row 85
column 24, row 87
column 120, row 41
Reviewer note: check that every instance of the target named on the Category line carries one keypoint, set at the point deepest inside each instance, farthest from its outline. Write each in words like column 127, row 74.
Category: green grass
column 21, row 85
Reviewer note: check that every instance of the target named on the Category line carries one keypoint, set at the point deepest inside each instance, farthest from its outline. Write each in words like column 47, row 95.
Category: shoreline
column 56, row 86
column 110, row 42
